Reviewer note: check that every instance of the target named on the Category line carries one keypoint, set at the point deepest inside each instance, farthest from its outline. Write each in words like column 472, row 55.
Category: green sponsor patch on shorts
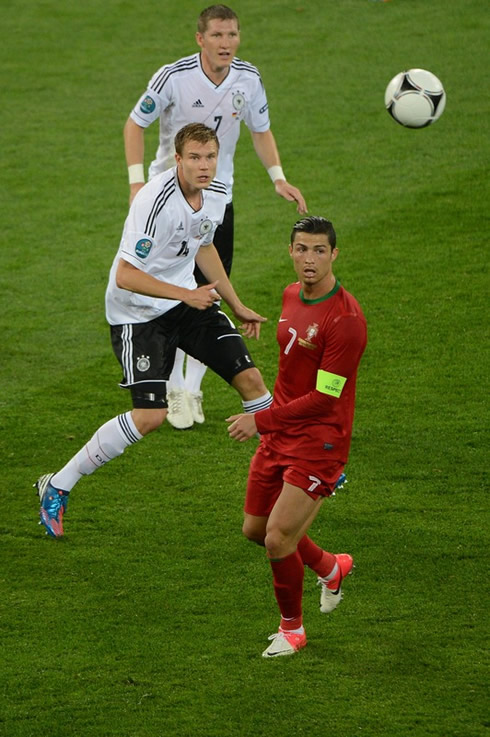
column 328, row 383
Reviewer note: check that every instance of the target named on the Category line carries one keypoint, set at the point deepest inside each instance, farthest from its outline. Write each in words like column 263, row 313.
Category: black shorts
column 146, row 351
column 223, row 241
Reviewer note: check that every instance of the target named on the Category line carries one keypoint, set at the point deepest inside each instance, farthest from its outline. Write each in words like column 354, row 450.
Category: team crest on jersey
column 205, row 226
column 143, row 363
column 147, row 105
column 311, row 333
column 238, row 101
column 143, row 248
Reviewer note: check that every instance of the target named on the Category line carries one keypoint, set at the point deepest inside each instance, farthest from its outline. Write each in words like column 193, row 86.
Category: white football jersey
column 181, row 93
column 161, row 236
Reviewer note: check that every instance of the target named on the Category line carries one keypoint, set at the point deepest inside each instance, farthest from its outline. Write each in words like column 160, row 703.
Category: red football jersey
column 321, row 343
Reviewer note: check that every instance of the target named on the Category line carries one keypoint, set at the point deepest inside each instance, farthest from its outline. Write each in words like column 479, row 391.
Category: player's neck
column 320, row 289
column 215, row 74
column 193, row 195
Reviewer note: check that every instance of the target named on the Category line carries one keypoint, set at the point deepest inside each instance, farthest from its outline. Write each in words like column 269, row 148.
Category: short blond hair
column 194, row 132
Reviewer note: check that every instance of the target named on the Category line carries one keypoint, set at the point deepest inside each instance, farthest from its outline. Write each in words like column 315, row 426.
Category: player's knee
column 278, row 544
column 249, row 384
column 148, row 420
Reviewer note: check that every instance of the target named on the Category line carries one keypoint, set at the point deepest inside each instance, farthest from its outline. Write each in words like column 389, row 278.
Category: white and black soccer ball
column 415, row 98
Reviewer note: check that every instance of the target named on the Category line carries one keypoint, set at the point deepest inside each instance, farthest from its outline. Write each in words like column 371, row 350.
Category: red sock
column 288, row 576
column 320, row 561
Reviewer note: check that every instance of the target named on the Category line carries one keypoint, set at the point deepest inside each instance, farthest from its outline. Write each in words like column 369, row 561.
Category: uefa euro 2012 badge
column 147, row 104
column 143, row 248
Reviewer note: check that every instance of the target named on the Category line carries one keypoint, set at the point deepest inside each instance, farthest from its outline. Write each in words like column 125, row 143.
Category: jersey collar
column 320, row 299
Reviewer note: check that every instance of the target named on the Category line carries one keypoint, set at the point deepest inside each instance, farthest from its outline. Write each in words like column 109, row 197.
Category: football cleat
column 179, row 411
column 331, row 595
column 53, row 505
column 284, row 643
column 195, row 402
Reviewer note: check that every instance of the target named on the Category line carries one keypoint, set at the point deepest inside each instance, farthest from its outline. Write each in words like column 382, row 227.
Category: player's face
column 219, row 44
column 313, row 258
column 197, row 164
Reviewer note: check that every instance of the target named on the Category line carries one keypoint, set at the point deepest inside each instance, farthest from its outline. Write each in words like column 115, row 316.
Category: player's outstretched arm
column 210, row 264
column 266, row 149
column 134, row 147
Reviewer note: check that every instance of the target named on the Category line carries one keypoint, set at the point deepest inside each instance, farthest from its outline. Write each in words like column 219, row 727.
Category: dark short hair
column 316, row 225
column 194, row 132
column 215, row 12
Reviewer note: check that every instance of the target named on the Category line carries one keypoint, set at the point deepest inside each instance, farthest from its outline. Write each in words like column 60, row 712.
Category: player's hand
column 250, row 321
column 134, row 189
column 202, row 297
column 291, row 194
column 242, row 427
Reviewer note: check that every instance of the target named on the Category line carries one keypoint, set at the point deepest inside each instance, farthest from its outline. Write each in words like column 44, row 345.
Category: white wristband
column 136, row 174
column 275, row 172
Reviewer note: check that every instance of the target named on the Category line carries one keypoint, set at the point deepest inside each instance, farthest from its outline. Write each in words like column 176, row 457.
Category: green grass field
column 149, row 618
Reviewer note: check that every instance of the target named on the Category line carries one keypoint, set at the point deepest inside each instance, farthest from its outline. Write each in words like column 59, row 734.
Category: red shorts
column 269, row 470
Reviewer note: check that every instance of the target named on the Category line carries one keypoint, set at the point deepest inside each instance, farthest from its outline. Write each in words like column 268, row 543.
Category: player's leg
column 145, row 368
column 291, row 515
column 185, row 395
column 264, row 484
column 211, row 337
column 330, row 568
column 194, row 374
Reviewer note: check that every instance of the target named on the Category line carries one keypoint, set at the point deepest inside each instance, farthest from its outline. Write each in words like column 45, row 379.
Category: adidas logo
column 197, row 103
column 181, row 226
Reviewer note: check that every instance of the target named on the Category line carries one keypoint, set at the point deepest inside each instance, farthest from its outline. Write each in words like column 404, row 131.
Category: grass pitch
column 149, row 618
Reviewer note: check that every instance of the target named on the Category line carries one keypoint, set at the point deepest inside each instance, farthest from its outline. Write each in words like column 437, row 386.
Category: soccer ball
column 415, row 98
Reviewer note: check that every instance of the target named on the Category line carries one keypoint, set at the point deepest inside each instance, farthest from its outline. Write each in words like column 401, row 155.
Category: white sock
column 176, row 380
column 254, row 405
column 194, row 374
column 110, row 441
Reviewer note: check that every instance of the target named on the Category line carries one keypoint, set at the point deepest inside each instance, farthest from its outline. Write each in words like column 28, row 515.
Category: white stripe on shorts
column 225, row 315
column 127, row 353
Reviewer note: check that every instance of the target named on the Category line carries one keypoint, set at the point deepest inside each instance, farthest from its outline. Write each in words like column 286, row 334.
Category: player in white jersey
column 153, row 306
column 216, row 88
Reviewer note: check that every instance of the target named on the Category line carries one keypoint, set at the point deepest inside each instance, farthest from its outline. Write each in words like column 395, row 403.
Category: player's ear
column 291, row 250
column 335, row 253
column 199, row 39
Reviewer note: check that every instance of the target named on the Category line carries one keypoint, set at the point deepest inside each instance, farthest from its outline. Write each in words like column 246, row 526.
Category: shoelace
column 175, row 403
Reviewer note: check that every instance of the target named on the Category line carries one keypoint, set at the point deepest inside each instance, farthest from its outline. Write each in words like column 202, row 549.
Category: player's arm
column 266, row 149
column 210, row 264
column 339, row 363
column 134, row 147
column 135, row 280
column 339, row 366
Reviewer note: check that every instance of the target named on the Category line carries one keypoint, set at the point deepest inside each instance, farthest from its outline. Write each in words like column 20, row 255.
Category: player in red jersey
column 306, row 432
